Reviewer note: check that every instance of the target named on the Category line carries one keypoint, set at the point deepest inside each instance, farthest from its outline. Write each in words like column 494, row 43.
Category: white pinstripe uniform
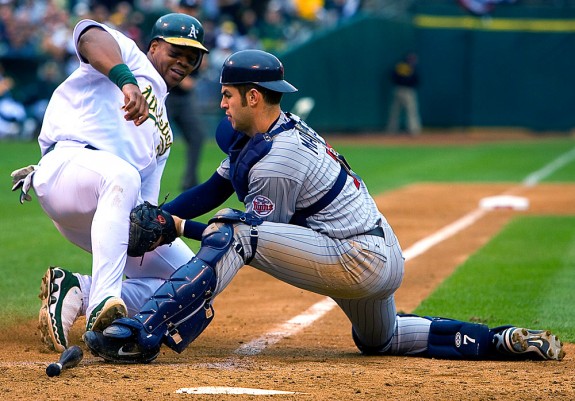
column 89, row 193
column 332, row 257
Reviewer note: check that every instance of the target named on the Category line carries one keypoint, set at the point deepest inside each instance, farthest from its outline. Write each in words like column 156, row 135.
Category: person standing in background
column 405, row 79
column 183, row 112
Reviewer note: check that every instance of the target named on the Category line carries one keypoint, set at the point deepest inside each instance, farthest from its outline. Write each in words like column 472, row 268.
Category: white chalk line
column 534, row 178
column 232, row 390
column 288, row 328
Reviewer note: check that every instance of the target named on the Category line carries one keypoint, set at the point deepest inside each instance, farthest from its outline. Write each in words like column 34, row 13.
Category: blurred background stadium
column 483, row 63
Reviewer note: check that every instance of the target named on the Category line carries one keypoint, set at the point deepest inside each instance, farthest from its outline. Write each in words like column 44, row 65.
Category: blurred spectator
column 248, row 32
column 273, row 29
column 40, row 90
column 57, row 43
column 225, row 44
column 339, row 10
column 21, row 41
column 128, row 20
column 229, row 10
column 309, row 9
column 405, row 79
column 12, row 113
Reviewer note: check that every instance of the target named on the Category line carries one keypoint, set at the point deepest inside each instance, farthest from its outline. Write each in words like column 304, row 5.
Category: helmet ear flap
column 199, row 60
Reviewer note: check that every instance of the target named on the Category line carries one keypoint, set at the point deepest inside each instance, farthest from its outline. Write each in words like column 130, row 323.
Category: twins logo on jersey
column 157, row 115
column 262, row 206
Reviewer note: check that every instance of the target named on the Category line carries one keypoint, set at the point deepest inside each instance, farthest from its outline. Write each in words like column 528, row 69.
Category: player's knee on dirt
column 367, row 349
column 454, row 339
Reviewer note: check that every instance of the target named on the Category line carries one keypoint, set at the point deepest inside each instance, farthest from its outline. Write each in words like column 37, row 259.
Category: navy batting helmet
column 257, row 67
column 180, row 29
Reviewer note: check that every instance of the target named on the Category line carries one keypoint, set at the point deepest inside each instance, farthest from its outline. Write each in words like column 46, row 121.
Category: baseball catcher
column 150, row 227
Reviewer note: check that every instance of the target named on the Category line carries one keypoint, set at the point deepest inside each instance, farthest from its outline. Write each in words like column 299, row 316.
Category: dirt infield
column 320, row 362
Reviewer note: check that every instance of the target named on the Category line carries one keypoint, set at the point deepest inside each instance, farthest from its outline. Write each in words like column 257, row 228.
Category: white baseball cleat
column 62, row 300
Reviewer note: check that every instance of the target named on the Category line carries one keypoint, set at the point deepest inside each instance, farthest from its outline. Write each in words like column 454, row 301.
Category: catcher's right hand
column 150, row 227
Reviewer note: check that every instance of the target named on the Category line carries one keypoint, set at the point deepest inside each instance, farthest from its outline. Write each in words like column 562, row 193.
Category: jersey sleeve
column 272, row 198
column 79, row 29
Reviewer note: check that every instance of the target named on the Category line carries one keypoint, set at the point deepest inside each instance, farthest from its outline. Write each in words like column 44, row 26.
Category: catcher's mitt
column 150, row 227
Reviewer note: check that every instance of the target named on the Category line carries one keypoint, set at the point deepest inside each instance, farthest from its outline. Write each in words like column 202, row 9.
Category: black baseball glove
column 150, row 227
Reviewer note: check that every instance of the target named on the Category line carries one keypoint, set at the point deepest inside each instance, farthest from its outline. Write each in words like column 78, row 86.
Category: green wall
column 346, row 71
column 513, row 69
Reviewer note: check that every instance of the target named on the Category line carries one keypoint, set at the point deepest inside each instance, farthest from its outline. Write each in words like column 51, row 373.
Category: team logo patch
column 193, row 32
column 458, row 339
column 262, row 206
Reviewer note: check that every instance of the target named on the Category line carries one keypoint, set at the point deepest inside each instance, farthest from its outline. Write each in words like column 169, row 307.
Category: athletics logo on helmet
column 179, row 29
column 257, row 67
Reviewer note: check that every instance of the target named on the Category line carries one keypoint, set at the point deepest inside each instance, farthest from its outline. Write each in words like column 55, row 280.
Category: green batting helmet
column 180, row 30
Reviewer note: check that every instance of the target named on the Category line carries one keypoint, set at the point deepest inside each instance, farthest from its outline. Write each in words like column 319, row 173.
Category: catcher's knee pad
column 234, row 216
column 180, row 309
column 454, row 339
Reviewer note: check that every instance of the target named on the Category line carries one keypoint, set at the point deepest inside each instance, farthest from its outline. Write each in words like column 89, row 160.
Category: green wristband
column 121, row 75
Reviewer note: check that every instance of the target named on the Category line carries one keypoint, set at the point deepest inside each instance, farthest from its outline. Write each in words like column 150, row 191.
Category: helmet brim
column 278, row 86
column 185, row 42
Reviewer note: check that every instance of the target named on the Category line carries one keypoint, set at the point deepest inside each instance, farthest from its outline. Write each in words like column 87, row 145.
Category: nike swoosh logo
column 540, row 342
column 121, row 352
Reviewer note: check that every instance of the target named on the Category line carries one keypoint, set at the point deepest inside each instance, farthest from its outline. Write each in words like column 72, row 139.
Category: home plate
column 504, row 202
column 230, row 390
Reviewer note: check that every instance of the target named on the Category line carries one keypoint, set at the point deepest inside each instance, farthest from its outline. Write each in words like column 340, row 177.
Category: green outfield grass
column 523, row 276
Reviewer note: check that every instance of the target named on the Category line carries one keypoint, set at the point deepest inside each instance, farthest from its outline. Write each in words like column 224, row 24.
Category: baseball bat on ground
column 70, row 357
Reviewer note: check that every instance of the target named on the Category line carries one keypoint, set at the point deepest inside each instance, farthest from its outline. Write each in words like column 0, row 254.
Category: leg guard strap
column 454, row 339
column 236, row 216
column 180, row 309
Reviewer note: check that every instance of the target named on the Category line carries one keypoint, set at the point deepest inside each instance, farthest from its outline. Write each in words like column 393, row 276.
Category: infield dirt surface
column 320, row 362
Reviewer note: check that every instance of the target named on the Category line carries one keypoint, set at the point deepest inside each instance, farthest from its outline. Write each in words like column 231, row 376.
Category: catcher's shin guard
column 181, row 309
column 454, row 339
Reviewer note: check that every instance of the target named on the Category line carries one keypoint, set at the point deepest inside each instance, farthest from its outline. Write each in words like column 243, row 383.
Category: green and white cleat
column 62, row 301
column 110, row 309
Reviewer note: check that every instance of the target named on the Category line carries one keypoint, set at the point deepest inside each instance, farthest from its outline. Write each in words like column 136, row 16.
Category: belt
column 377, row 231
column 51, row 148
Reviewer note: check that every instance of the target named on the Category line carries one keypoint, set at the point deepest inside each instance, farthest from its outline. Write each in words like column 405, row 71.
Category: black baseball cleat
column 117, row 349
